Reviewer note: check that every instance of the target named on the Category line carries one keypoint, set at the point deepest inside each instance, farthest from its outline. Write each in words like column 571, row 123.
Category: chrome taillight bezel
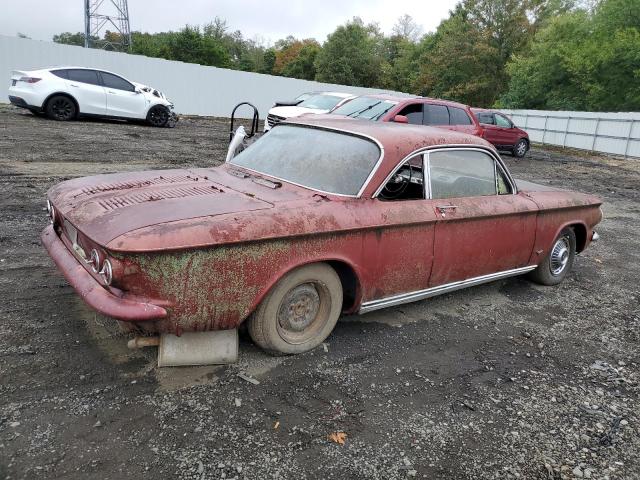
column 106, row 272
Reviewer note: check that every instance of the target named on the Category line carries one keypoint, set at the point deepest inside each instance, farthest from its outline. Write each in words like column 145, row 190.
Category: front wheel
column 158, row 116
column 557, row 264
column 299, row 312
column 520, row 148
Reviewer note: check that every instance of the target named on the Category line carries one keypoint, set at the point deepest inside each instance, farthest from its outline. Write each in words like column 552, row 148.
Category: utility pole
column 99, row 17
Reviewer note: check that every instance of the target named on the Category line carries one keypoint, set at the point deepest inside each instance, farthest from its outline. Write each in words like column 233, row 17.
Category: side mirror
column 400, row 119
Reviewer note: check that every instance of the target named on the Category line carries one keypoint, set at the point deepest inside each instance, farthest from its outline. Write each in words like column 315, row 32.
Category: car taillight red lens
column 30, row 79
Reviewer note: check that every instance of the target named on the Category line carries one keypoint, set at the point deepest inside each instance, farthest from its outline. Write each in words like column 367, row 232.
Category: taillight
column 30, row 79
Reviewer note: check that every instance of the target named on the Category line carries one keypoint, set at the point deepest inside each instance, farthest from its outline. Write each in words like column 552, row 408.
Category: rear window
column 332, row 162
column 60, row 73
column 457, row 116
column 436, row 115
column 84, row 76
column 486, row 118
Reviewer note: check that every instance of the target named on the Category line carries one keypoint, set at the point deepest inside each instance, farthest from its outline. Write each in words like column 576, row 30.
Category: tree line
column 540, row 54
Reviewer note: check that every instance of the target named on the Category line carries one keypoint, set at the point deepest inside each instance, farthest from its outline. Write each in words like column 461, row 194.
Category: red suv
column 414, row 110
column 499, row 130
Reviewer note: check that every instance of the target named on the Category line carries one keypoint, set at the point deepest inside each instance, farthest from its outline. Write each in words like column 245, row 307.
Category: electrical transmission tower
column 100, row 16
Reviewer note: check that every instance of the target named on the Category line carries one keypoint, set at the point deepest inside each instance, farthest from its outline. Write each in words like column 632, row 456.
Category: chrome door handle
column 74, row 85
column 444, row 208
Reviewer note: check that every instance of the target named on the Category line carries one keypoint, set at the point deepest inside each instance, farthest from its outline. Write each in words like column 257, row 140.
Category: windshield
column 365, row 107
column 328, row 161
column 321, row 102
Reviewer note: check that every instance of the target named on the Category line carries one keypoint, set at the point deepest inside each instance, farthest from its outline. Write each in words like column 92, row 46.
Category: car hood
column 105, row 207
column 290, row 112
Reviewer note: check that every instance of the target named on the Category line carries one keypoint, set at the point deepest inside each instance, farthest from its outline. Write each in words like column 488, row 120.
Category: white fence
column 201, row 90
column 615, row 133
column 195, row 89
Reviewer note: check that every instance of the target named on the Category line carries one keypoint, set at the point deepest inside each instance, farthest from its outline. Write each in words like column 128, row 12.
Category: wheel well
column 350, row 283
column 581, row 236
column 61, row 94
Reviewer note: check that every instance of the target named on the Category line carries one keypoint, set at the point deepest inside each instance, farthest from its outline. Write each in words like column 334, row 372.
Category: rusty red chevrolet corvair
column 317, row 218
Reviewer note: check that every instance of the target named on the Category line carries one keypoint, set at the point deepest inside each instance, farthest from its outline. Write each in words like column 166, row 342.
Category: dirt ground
column 505, row 380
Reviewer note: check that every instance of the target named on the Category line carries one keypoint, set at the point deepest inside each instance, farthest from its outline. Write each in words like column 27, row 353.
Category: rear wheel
column 555, row 267
column 61, row 108
column 299, row 312
column 520, row 148
column 158, row 116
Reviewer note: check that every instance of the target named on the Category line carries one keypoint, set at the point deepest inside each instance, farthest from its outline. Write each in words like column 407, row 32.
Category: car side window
column 502, row 121
column 436, row 114
column 413, row 113
column 462, row 173
column 486, row 118
column 60, row 73
column 457, row 116
column 503, row 184
column 407, row 183
column 84, row 76
column 113, row 81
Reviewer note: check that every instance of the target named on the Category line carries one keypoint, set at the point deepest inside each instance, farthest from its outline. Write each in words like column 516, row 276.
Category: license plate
column 13, row 83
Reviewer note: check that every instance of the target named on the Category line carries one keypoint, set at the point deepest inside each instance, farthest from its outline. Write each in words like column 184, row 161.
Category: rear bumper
column 18, row 101
column 94, row 294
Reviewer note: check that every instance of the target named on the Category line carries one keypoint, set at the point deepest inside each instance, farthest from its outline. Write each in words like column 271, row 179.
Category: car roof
column 396, row 140
column 334, row 94
column 411, row 98
column 81, row 68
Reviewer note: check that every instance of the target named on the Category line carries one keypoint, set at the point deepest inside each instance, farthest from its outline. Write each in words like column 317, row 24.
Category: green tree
column 352, row 56
column 581, row 61
column 459, row 63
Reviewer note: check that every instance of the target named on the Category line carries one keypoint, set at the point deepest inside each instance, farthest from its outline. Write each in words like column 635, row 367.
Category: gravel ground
column 505, row 380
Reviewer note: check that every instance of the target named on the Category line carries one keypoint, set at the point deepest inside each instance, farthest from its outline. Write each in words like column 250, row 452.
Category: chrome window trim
column 435, row 148
column 375, row 168
column 440, row 289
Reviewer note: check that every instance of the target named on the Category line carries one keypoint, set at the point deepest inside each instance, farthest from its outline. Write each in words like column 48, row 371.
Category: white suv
column 314, row 102
column 66, row 93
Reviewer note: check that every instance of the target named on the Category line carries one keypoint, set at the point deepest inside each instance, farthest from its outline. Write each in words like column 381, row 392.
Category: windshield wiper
column 365, row 109
column 382, row 113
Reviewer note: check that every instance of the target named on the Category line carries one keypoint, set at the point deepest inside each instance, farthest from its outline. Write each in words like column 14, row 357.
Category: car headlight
column 107, row 272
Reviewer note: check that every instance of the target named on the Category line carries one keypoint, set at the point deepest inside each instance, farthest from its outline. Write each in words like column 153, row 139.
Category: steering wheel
column 397, row 185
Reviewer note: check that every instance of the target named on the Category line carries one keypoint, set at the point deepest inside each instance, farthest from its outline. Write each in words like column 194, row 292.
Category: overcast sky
column 266, row 19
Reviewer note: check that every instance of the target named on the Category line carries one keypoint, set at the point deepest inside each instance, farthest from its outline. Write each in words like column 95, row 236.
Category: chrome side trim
column 441, row 289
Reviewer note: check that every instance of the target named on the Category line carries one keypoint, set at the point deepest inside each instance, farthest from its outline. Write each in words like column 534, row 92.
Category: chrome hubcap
column 560, row 256
column 522, row 148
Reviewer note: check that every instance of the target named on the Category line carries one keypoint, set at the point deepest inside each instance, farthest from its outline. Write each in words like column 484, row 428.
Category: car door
column 484, row 226
column 491, row 131
column 399, row 251
column 508, row 134
column 86, row 88
column 123, row 100
column 460, row 121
